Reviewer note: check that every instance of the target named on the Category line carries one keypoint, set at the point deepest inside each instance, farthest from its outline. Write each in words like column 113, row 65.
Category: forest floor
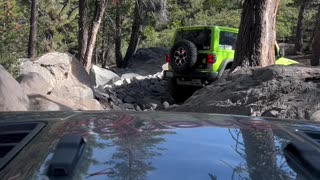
column 303, row 59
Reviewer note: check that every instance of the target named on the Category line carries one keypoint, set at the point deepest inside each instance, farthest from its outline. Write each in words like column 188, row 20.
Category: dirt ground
column 303, row 59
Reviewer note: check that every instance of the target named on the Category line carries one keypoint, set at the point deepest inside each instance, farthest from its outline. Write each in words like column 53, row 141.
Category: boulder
column 57, row 81
column 33, row 82
column 40, row 102
column 100, row 94
column 129, row 99
column 130, row 75
column 275, row 91
column 128, row 106
column 166, row 105
column 289, row 49
column 315, row 116
column 62, row 72
column 12, row 96
column 101, row 77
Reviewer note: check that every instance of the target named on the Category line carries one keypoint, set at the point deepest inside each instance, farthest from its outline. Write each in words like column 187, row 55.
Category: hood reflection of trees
column 132, row 158
column 262, row 153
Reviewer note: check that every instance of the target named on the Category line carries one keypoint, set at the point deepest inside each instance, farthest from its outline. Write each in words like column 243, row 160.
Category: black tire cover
column 183, row 56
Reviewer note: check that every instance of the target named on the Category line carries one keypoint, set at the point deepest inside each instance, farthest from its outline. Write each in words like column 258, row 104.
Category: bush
column 152, row 38
column 10, row 63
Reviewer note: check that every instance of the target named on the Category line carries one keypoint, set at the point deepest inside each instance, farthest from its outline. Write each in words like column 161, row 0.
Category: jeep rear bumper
column 205, row 76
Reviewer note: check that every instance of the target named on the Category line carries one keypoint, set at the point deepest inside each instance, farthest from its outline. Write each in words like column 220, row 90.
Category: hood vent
column 14, row 136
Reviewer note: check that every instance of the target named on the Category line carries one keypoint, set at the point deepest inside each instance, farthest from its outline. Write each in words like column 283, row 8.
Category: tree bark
column 300, row 24
column 256, row 39
column 83, row 29
column 33, row 29
column 93, row 34
column 135, row 35
column 315, row 57
column 105, row 45
column 117, row 38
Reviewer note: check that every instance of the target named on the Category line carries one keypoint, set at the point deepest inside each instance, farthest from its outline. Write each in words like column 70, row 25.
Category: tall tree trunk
column 117, row 38
column 300, row 24
column 135, row 35
column 83, row 29
column 257, row 35
column 33, row 29
column 101, row 4
column 104, row 45
column 315, row 57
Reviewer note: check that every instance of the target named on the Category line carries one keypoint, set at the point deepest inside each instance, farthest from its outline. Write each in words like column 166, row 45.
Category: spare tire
column 183, row 56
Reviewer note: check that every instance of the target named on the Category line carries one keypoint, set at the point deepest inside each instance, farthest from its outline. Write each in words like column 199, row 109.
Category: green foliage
column 13, row 33
column 152, row 38
column 224, row 13
column 10, row 63
column 58, row 24
column 286, row 20
column 13, row 27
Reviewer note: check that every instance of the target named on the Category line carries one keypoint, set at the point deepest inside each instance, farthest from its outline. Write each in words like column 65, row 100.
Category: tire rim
column 180, row 56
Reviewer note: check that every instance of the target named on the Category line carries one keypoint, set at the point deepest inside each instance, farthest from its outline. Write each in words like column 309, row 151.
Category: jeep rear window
column 228, row 40
column 201, row 38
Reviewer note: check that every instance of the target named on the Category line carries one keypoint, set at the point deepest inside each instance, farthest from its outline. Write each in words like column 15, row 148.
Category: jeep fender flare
column 223, row 66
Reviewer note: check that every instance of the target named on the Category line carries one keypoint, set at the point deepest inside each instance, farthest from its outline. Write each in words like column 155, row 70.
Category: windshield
column 201, row 38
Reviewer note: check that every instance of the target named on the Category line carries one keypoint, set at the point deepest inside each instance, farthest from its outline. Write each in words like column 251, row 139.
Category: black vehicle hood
column 157, row 145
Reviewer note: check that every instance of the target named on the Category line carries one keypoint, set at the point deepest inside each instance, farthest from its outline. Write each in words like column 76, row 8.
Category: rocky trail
column 57, row 81
column 140, row 87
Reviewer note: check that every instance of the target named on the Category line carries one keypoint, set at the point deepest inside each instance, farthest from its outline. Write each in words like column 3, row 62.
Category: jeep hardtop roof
column 208, row 27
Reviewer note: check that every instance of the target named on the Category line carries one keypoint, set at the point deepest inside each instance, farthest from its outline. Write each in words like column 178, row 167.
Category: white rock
column 315, row 116
column 118, row 83
column 12, row 97
column 34, row 83
column 57, row 81
column 64, row 74
column 129, row 75
column 166, row 105
column 141, row 77
column 100, row 76
column 128, row 80
column 107, row 86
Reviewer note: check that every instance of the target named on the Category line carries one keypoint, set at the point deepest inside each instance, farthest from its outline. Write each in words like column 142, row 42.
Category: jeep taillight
column 167, row 58
column 211, row 59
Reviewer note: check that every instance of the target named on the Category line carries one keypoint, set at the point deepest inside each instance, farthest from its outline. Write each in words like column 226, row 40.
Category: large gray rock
column 57, row 81
column 62, row 72
column 283, row 92
column 12, row 96
column 129, row 75
column 101, row 77
column 33, row 82
column 315, row 116
column 40, row 102
column 288, row 49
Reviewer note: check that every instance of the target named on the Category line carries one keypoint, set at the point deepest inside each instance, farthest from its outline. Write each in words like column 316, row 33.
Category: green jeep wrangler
column 200, row 55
